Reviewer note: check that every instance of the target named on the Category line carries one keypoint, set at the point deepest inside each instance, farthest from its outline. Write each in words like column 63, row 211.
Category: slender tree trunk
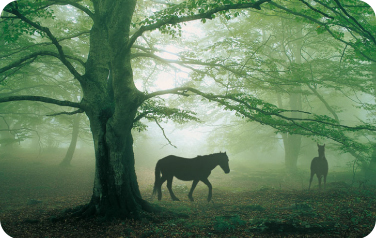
column 7, row 139
column 72, row 146
column 292, row 145
column 370, row 171
column 292, row 142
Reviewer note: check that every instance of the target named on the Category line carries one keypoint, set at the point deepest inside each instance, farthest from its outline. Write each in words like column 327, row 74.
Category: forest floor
column 264, row 203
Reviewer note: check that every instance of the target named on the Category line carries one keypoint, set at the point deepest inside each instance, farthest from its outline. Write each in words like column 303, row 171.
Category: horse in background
column 319, row 166
column 196, row 169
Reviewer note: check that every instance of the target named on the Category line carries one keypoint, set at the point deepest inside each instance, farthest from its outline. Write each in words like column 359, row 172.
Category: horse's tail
column 157, row 177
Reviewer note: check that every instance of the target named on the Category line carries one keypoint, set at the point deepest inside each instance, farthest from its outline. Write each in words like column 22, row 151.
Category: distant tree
column 72, row 146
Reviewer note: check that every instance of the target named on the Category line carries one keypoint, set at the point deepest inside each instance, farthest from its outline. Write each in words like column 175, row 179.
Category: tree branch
column 316, row 10
column 66, row 113
column 41, row 99
column 369, row 35
column 44, row 44
column 269, row 112
column 163, row 131
column 33, row 55
column 46, row 30
column 206, row 15
column 76, row 5
column 327, row 28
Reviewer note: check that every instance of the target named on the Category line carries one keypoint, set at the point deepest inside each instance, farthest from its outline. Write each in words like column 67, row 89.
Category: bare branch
column 41, row 99
column 164, row 134
column 66, row 113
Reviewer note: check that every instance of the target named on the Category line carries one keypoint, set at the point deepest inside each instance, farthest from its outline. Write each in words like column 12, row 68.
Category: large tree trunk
column 116, row 192
column 111, row 101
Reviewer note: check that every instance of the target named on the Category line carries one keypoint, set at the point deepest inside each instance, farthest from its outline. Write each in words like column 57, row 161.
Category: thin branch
column 163, row 131
column 20, row 66
column 76, row 5
column 41, row 99
column 66, row 113
column 316, row 10
column 44, row 44
column 33, row 55
column 142, row 115
column 187, row 61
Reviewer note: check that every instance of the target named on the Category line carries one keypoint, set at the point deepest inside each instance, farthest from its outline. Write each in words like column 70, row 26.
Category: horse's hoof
column 192, row 200
column 175, row 199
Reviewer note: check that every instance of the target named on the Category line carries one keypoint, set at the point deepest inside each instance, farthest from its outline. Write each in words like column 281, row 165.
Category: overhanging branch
column 41, row 99
column 206, row 15
column 275, row 112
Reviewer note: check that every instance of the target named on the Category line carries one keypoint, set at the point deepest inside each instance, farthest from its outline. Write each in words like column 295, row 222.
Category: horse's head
column 321, row 149
column 223, row 162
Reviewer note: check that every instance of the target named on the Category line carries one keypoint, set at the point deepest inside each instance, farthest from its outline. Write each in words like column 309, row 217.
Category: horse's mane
column 206, row 156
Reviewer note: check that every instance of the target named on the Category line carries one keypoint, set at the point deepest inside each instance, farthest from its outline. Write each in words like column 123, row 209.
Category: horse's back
column 173, row 162
column 182, row 168
column 172, row 159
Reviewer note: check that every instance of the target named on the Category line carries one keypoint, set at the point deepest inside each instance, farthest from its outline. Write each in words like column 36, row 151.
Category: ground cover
column 35, row 192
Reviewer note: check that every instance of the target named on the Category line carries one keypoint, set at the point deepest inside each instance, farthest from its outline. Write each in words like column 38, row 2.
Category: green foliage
column 156, row 110
column 348, row 21
column 13, row 28
column 187, row 9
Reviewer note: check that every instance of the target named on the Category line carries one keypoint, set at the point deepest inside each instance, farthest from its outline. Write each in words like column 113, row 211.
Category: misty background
column 291, row 64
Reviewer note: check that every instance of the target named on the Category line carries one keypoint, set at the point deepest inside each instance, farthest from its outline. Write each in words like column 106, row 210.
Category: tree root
column 151, row 212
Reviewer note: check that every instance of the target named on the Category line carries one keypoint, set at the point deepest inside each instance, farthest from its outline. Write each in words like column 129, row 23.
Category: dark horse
column 196, row 169
column 319, row 166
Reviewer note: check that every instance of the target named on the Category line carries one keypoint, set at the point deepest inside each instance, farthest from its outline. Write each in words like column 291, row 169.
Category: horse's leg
column 192, row 188
column 319, row 177
column 169, row 186
column 324, row 181
column 206, row 181
column 310, row 180
column 159, row 189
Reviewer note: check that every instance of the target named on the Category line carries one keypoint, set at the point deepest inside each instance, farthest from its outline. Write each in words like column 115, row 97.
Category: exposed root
column 148, row 211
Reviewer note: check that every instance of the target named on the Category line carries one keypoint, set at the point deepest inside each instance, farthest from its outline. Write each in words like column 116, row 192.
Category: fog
column 111, row 114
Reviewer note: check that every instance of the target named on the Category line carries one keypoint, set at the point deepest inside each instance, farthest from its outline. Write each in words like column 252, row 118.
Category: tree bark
column 111, row 101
